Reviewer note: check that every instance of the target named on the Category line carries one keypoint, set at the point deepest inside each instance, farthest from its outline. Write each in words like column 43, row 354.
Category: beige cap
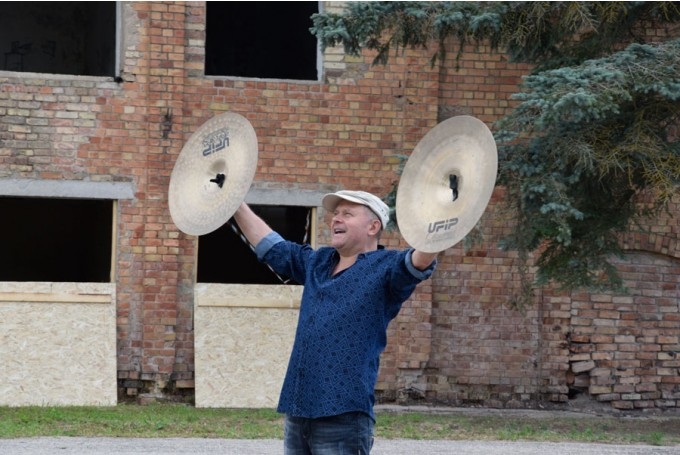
column 377, row 206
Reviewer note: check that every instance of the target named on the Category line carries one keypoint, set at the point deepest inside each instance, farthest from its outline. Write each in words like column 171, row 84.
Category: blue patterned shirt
column 342, row 326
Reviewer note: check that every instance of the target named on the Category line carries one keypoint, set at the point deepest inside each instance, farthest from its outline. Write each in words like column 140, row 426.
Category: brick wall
column 459, row 339
column 624, row 348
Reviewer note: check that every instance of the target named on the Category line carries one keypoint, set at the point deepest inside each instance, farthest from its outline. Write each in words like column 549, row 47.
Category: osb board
column 243, row 335
column 57, row 344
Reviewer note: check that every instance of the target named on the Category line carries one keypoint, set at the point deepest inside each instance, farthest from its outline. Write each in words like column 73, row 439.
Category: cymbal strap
column 234, row 227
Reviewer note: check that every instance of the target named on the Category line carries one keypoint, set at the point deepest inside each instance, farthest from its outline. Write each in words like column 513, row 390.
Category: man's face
column 353, row 228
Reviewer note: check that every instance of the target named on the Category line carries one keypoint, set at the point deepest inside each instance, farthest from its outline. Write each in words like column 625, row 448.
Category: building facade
column 99, row 138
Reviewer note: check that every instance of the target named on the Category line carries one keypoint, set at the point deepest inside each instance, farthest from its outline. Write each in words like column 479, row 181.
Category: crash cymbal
column 446, row 184
column 212, row 174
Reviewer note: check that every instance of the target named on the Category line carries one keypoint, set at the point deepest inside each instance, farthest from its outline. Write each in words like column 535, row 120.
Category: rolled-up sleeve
column 267, row 243
column 420, row 274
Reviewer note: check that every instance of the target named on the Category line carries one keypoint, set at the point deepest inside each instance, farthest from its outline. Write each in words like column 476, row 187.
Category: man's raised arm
column 252, row 226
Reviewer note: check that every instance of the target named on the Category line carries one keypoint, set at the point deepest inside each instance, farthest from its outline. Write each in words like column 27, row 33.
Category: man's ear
column 375, row 227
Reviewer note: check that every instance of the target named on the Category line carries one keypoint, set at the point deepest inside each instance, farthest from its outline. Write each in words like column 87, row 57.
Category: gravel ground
column 173, row 446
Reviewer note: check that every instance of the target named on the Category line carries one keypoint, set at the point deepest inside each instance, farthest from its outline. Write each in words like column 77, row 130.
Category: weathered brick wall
column 156, row 263
column 484, row 351
column 458, row 339
column 624, row 348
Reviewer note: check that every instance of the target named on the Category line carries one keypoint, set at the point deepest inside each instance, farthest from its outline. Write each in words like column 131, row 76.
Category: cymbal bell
column 213, row 174
column 446, row 184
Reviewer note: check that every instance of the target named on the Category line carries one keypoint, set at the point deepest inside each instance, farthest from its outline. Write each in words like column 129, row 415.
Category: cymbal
column 446, row 184
column 213, row 174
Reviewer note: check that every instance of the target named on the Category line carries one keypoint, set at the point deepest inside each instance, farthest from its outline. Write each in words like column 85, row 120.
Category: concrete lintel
column 281, row 196
column 78, row 189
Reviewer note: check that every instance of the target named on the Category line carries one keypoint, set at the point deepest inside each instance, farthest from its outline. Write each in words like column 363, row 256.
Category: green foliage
column 593, row 127
column 542, row 33
column 383, row 26
column 583, row 142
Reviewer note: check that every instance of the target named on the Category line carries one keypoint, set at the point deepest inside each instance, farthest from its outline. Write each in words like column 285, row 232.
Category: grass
column 170, row 420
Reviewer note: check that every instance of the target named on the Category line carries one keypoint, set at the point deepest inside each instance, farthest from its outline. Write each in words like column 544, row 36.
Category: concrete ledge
column 66, row 189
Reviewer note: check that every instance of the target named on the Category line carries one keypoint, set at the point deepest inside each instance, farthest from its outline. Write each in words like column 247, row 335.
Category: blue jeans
column 344, row 434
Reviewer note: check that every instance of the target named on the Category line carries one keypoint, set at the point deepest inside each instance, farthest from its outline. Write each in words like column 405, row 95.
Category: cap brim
column 331, row 201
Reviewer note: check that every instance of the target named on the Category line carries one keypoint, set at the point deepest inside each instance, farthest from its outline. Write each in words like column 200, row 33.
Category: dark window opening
column 77, row 38
column 261, row 39
column 64, row 240
column 224, row 257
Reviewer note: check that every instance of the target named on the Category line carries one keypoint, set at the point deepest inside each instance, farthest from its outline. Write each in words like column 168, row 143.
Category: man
column 352, row 290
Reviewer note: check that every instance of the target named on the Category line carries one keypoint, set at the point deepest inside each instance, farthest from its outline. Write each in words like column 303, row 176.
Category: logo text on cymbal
column 215, row 142
column 442, row 225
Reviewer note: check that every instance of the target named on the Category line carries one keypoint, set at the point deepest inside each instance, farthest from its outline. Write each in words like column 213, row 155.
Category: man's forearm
column 252, row 226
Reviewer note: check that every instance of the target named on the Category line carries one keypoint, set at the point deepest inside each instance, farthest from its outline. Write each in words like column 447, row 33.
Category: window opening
column 77, row 38
column 224, row 257
column 58, row 240
column 261, row 40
